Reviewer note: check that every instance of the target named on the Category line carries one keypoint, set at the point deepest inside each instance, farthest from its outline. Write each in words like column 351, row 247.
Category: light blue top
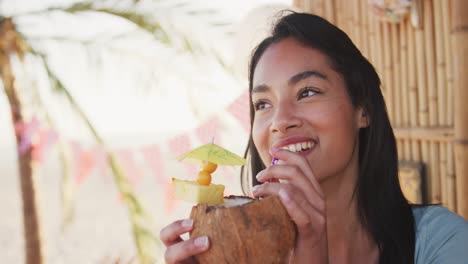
column 441, row 236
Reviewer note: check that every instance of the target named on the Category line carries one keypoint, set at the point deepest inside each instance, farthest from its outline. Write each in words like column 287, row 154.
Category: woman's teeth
column 298, row 147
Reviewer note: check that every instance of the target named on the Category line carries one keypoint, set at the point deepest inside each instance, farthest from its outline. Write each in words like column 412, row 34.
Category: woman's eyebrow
column 261, row 88
column 304, row 75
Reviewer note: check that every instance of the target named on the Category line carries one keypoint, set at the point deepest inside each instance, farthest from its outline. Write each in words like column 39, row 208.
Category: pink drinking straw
column 274, row 161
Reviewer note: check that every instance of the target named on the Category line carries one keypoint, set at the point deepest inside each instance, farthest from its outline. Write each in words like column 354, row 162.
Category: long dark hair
column 383, row 209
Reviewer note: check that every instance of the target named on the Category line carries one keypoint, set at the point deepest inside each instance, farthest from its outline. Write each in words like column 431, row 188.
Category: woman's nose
column 285, row 118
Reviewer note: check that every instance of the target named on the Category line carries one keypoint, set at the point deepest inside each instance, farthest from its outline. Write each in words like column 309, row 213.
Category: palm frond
column 146, row 242
column 142, row 21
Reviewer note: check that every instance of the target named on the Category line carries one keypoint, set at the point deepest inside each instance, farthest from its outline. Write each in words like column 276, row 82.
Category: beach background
column 149, row 102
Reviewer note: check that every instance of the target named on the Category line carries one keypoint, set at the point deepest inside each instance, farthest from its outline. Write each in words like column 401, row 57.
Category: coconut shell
column 259, row 231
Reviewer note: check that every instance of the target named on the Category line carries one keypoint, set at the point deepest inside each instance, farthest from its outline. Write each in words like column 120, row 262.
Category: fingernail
column 284, row 196
column 187, row 223
column 255, row 188
column 259, row 175
column 201, row 242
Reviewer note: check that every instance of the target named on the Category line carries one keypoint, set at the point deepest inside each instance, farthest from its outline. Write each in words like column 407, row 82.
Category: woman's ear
column 363, row 118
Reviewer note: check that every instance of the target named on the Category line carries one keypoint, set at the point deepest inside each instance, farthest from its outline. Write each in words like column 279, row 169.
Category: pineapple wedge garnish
column 192, row 191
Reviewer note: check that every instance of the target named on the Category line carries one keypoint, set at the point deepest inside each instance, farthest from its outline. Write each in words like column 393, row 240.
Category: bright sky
column 125, row 81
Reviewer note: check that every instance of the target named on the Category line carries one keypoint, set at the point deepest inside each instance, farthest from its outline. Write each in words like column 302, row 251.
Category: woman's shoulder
column 441, row 235
column 435, row 215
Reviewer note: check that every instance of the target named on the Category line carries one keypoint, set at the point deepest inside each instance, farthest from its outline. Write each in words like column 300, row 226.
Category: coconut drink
column 240, row 229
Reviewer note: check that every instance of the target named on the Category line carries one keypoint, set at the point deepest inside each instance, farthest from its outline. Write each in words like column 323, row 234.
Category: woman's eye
column 259, row 105
column 306, row 92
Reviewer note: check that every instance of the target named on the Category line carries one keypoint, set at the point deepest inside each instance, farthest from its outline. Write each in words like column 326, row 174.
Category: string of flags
column 136, row 161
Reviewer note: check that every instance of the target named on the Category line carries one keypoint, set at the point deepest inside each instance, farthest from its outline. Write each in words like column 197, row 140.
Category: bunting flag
column 209, row 130
column 45, row 141
column 39, row 141
column 27, row 131
column 102, row 165
column 85, row 161
column 240, row 110
column 169, row 199
column 129, row 167
column 154, row 160
column 34, row 138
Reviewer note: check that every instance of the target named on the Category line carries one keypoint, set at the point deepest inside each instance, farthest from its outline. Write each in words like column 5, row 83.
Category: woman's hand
column 303, row 198
column 180, row 251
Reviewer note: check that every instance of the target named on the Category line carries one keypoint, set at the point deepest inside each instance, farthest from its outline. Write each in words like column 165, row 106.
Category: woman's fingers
column 171, row 233
column 178, row 250
column 292, row 158
column 293, row 175
column 309, row 218
column 184, row 250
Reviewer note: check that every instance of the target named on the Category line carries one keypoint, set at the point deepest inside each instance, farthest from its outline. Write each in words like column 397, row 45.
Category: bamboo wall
column 424, row 85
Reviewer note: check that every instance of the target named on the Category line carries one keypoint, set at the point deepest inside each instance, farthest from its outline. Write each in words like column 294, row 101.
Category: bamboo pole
column 449, row 63
column 317, row 7
column 412, row 84
column 430, row 62
column 379, row 54
column 397, row 87
column 451, row 192
column 399, row 149
column 299, row 4
column 307, row 6
column 356, row 18
column 339, row 13
column 429, row 173
column 460, row 39
column 421, row 72
column 372, row 40
column 365, row 28
column 443, row 173
column 330, row 11
column 388, row 70
column 404, row 97
column 348, row 18
column 415, row 150
column 413, row 90
column 407, row 151
column 441, row 62
column 439, row 134
column 435, row 168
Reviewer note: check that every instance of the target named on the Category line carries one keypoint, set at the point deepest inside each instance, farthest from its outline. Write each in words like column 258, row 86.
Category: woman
column 318, row 109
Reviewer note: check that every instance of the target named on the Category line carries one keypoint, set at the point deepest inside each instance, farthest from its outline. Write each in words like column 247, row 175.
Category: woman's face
column 302, row 104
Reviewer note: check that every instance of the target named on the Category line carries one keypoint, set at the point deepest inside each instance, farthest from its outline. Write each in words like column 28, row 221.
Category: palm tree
column 15, row 45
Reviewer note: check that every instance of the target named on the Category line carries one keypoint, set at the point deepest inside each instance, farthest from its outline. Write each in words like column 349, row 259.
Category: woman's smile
column 301, row 145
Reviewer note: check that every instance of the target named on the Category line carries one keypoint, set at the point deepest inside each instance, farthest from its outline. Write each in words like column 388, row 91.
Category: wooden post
column 10, row 43
column 460, row 39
